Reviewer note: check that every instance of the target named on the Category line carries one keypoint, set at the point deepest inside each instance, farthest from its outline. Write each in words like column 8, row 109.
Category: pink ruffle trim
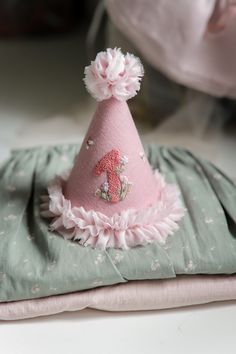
column 127, row 229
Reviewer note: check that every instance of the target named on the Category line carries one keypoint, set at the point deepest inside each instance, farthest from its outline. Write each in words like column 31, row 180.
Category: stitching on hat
column 89, row 143
column 115, row 187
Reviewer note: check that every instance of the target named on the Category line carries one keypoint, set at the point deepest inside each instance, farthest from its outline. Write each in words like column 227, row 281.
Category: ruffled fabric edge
column 124, row 230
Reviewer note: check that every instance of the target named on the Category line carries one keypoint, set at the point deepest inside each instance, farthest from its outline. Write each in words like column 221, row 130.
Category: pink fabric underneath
column 132, row 296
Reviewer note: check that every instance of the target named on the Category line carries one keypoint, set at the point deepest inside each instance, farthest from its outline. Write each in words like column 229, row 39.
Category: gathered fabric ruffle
column 124, row 230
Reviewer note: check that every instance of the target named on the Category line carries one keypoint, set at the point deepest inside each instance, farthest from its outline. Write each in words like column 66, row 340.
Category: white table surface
column 42, row 101
column 201, row 329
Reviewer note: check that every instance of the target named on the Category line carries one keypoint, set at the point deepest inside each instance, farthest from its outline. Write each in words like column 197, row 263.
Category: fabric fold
column 133, row 296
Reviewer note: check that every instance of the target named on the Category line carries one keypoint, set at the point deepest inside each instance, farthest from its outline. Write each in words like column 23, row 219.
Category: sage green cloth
column 35, row 262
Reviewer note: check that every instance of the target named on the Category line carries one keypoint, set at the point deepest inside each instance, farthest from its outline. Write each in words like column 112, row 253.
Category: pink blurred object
column 223, row 13
column 192, row 43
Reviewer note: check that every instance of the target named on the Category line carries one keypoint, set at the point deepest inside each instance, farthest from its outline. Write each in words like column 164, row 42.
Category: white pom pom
column 113, row 74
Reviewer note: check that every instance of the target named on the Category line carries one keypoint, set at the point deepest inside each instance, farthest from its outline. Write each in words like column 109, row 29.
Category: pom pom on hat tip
column 113, row 74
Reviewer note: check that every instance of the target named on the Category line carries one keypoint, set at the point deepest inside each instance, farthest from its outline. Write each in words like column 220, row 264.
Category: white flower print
column 30, row 238
column 209, row 220
column 100, row 258
column 10, row 217
column 155, row 265
column 51, row 265
column 35, row 289
column 118, row 258
column 124, row 160
column 190, row 266
column 97, row 283
column 217, row 176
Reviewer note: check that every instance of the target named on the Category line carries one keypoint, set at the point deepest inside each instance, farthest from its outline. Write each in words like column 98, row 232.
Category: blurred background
column 187, row 48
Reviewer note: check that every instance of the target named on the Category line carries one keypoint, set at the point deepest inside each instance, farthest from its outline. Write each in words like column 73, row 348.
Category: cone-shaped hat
column 111, row 173
column 112, row 197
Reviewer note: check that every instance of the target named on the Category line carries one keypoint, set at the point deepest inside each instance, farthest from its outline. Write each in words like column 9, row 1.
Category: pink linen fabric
column 192, row 43
column 132, row 296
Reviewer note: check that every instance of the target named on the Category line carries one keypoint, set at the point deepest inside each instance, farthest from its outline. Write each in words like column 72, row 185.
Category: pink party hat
column 112, row 197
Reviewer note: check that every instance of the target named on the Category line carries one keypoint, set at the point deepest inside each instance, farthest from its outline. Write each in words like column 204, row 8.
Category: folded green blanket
column 35, row 262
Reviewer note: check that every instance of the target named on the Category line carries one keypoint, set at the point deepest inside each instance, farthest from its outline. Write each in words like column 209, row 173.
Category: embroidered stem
column 116, row 187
